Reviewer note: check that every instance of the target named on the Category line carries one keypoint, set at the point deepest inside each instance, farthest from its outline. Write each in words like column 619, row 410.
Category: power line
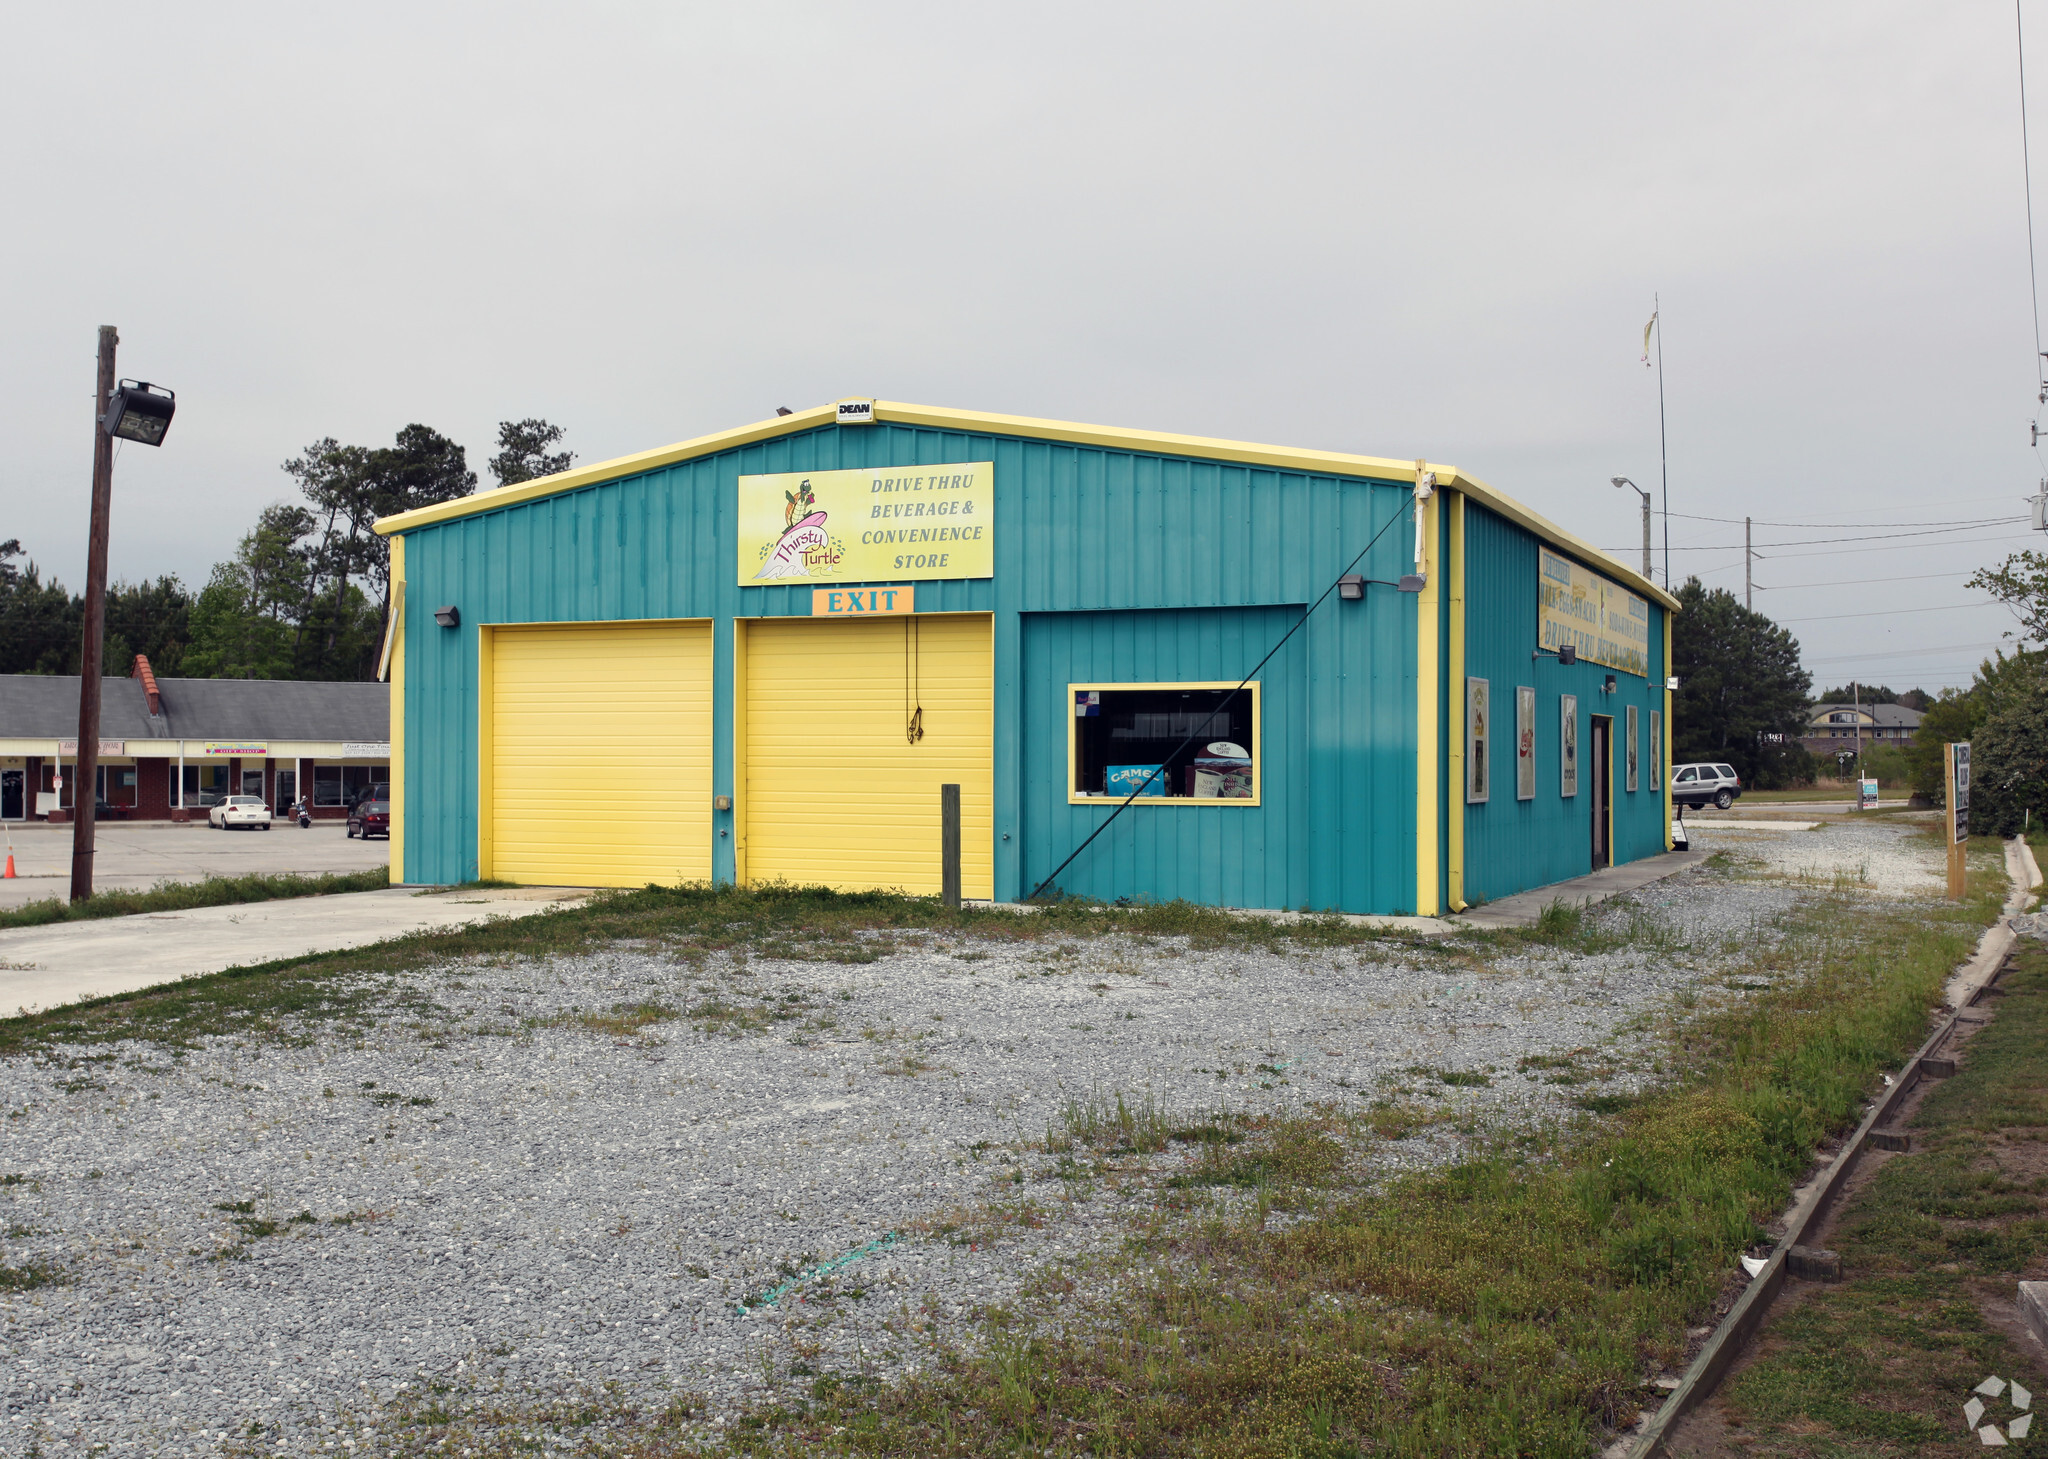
column 1886, row 612
column 1841, row 551
column 1974, row 522
column 1901, row 653
column 1871, row 537
column 1916, row 577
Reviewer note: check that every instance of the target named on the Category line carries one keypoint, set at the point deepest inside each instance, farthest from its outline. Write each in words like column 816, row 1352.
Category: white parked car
column 246, row 811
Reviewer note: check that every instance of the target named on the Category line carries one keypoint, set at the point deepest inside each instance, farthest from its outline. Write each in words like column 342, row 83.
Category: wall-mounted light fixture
column 448, row 617
column 1351, row 587
column 140, row 411
column 1567, row 653
column 1609, row 686
column 1411, row 582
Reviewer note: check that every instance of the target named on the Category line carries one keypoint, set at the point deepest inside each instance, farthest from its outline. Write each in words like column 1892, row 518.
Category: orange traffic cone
column 10, row 867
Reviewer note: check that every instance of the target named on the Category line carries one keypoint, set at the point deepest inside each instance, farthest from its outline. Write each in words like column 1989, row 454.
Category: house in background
column 1833, row 728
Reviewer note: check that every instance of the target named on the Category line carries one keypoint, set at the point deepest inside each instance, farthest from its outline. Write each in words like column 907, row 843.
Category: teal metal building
column 756, row 656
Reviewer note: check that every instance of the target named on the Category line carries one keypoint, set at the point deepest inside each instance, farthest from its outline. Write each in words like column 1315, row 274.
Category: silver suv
column 1699, row 785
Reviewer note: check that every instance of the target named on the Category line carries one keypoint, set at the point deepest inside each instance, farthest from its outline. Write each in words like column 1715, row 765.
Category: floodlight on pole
column 1624, row 481
column 140, row 411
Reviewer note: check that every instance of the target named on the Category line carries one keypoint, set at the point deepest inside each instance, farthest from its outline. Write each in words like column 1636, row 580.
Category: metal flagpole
column 1663, row 456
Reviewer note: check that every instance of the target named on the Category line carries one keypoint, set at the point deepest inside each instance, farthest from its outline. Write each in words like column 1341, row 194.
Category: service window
column 1184, row 743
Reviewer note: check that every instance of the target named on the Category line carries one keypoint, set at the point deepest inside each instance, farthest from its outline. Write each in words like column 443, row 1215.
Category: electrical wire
column 1759, row 547
column 1915, row 577
column 1899, row 653
column 1224, row 704
column 1757, row 522
column 1887, row 612
column 1843, row 551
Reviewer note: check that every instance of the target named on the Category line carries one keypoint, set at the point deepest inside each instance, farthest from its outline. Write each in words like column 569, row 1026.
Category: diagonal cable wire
column 1125, row 804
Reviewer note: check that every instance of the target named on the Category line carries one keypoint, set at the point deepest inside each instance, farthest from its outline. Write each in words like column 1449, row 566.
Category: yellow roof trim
column 1285, row 458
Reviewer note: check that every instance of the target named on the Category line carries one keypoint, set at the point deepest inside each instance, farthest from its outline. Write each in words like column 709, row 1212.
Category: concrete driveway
column 135, row 857
column 41, row 967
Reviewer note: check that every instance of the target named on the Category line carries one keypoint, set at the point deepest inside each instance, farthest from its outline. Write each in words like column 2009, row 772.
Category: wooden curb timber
column 1747, row 1315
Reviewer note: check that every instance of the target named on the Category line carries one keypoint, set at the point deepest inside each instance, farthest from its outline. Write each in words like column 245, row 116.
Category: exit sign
column 861, row 602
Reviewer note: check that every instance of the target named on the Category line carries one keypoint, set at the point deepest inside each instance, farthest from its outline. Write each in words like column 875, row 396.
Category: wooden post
column 949, row 845
column 83, row 803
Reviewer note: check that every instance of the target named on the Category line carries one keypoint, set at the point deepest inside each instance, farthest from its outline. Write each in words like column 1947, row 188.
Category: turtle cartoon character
column 798, row 503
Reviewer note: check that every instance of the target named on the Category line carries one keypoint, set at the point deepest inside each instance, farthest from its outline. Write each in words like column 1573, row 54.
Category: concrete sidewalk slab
column 1719, row 823
column 44, row 967
column 1522, row 909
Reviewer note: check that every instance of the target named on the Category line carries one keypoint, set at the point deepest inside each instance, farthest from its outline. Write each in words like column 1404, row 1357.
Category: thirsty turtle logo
column 804, row 542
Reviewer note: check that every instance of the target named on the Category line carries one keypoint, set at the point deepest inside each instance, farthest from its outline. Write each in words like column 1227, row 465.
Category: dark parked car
column 371, row 814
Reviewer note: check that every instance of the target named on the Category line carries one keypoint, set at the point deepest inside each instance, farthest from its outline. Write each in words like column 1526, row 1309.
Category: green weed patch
column 183, row 896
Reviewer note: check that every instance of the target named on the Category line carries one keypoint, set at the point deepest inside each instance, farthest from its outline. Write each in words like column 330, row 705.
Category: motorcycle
column 302, row 815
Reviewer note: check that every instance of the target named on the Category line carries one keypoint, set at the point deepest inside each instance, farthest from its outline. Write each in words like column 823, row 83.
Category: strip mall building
column 169, row 748
column 757, row 656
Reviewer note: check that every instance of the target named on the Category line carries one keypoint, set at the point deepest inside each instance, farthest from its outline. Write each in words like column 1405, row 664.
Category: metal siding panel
column 1510, row 845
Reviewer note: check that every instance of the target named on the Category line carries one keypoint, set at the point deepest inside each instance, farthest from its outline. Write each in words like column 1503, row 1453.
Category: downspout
column 1428, row 691
column 1454, row 585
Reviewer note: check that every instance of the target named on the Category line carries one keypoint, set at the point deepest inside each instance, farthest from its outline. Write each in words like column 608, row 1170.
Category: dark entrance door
column 12, row 794
column 1603, row 790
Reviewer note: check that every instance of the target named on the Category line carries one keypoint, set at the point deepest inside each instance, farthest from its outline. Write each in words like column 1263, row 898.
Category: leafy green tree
column 151, row 619
column 2003, row 680
column 40, row 624
column 1739, row 685
column 245, row 623
column 2009, row 761
column 523, row 453
column 2021, row 583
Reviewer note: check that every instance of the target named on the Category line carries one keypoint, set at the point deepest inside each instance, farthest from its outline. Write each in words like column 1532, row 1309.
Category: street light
column 1624, row 481
column 130, row 410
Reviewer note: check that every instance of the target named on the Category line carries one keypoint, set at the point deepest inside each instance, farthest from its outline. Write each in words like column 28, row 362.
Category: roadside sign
column 1868, row 799
column 1956, row 766
column 1959, row 791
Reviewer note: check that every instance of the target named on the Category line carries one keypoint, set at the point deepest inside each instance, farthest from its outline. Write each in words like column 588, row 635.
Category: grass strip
column 182, row 896
column 1931, row 1250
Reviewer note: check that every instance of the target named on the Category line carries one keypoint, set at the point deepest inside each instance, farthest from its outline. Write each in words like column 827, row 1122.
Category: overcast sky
column 1402, row 230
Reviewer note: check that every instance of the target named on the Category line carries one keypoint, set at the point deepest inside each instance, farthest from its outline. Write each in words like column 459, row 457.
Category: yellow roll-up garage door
column 837, row 793
column 599, row 754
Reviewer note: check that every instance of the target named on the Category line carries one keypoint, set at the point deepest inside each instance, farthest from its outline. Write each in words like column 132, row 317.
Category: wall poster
column 881, row 524
column 1657, row 766
column 1629, row 755
column 1478, row 731
column 1525, row 743
column 1568, row 741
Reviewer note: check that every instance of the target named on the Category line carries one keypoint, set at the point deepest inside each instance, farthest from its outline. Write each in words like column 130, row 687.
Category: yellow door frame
column 396, row 634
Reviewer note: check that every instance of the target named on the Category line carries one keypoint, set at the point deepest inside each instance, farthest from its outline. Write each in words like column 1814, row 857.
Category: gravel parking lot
column 578, row 1170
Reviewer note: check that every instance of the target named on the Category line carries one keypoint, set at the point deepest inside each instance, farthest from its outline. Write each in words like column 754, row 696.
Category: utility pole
column 84, row 793
column 1856, row 691
column 1748, row 584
